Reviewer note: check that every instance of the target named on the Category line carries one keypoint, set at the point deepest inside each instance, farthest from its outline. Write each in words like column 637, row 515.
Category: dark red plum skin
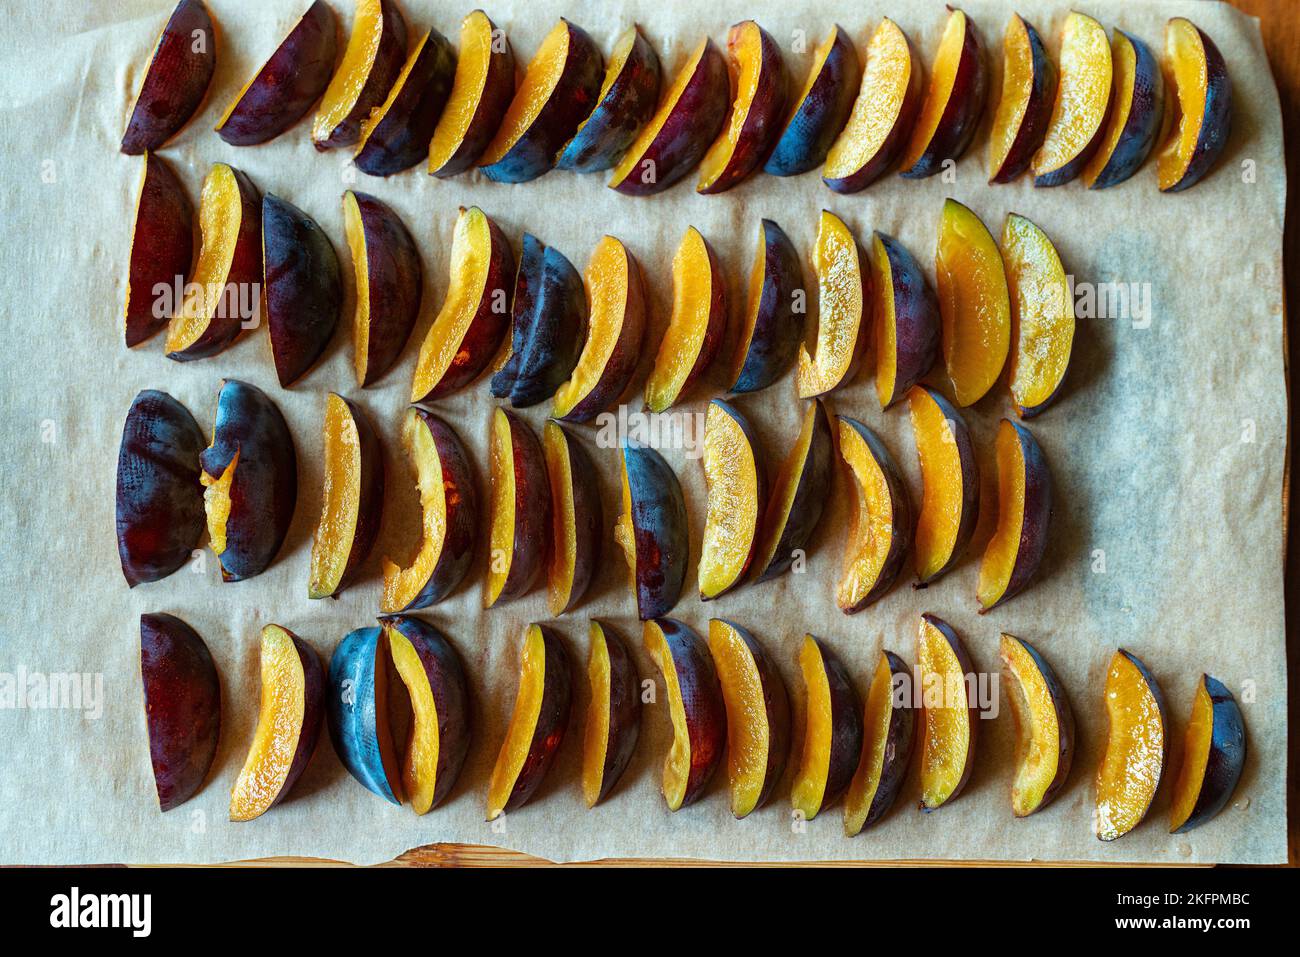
column 776, row 707
column 899, row 740
column 624, row 711
column 902, row 521
column 688, row 131
column 571, row 102
column 1227, row 756
column 176, row 80
column 395, row 280
column 961, row 114
column 289, row 83
column 778, row 329
column 588, row 518
column 549, row 326
column 820, row 116
column 182, row 706
column 532, row 510
column 1038, row 112
column 265, row 486
column 970, row 479
column 371, row 499
column 706, row 713
column 552, row 720
column 846, row 726
column 809, row 498
column 1216, row 122
column 1064, row 722
column 446, row 674
column 162, row 247
column 617, row 374
column 967, row 668
column 313, row 713
column 401, row 139
column 660, row 530
column 1144, row 116
column 916, row 317
column 1037, row 517
column 302, row 288
column 762, row 122
column 245, row 271
column 627, row 105
column 498, row 90
column 462, row 513
column 386, row 67
column 160, row 517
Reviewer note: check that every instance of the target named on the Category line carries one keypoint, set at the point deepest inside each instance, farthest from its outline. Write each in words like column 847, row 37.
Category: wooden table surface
column 1280, row 23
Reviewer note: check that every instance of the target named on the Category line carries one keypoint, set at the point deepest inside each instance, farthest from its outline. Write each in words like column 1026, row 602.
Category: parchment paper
column 1167, row 452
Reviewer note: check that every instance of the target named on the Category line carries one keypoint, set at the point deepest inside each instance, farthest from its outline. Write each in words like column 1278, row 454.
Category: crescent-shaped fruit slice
column 882, row 115
column 843, row 287
column 758, row 715
column 906, row 319
column 162, row 247
column 832, row 740
column 821, row 109
column 356, row 711
column 577, row 521
column 283, row 90
column 1044, row 726
column 449, row 508
column 1025, row 104
column 880, row 522
column 625, row 102
column 652, row 530
column 1137, row 743
column 888, row 732
column 697, row 324
column 440, row 733
column 772, row 328
column 613, row 713
column 176, row 79
column 389, row 280
column 1083, row 99
column 1024, row 514
column 949, row 721
column 798, row 497
column 520, row 509
column 1042, row 316
column 1135, row 113
column 695, row 706
column 395, row 136
column 480, row 94
column 558, row 91
column 974, row 304
column 953, row 103
column 1200, row 105
column 218, row 298
column 288, row 724
column 182, row 706
column 467, row 331
column 689, row 118
column 352, row 498
column 615, row 328
column 754, row 122
column 537, row 724
column 1214, row 753
column 371, row 63
column 950, row 483
column 737, row 495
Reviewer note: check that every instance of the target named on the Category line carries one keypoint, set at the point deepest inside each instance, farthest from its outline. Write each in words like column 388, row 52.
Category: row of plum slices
column 1098, row 114
column 724, row 696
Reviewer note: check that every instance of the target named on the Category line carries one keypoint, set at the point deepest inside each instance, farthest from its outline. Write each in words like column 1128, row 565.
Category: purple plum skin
column 1216, row 122
column 961, row 114
column 899, row 741
column 820, row 116
column 302, row 289
column 627, row 106
column 1038, row 112
column 846, row 726
column 916, row 318
column 624, row 711
column 1144, row 117
column 660, row 527
column 809, row 498
column 1037, row 516
column 396, row 280
column 552, row 720
column 176, row 80
column 351, row 710
column 706, row 712
column 1227, row 756
column 778, row 329
column 401, row 139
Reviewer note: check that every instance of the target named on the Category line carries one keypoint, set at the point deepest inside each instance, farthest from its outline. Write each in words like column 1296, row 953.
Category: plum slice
column 758, row 715
column 696, row 326
column 371, row 62
column 356, row 712
column 480, row 94
column 288, row 724
column 737, row 495
column 396, row 135
column 843, row 289
column 449, row 510
column 162, row 247
column 906, row 319
column 949, row 722
column 695, row 706
column 821, row 109
column 950, row 482
column 772, row 328
column 182, row 706
column 1044, row 726
column 440, row 732
column 953, row 103
column 652, row 530
column 888, row 733
column 537, row 724
column 1042, row 316
column 974, row 304
column 1214, row 753
column 1024, row 514
column 1136, row 112
column 1025, row 104
column 798, row 496
column 577, row 520
column 1137, row 743
column 880, row 523
column 1083, row 99
column 1200, row 106
column 520, row 510
column 176, row 79
column 302, row 288
column 832, row 740
column 613, row 713
column 389, row 281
